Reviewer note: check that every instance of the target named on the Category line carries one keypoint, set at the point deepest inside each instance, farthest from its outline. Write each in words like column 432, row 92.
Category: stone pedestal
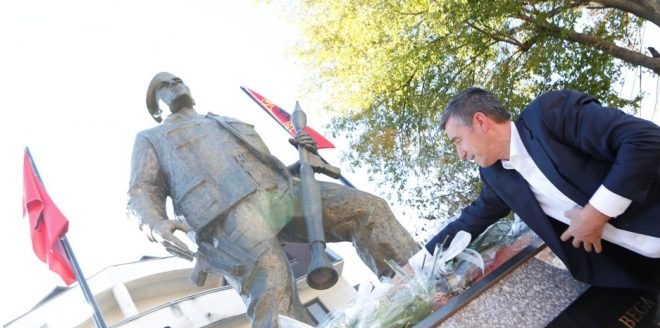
column 535, row 290
column 530, row 296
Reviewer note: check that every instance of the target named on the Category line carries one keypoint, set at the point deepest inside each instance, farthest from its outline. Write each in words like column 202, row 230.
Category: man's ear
column 480, row 121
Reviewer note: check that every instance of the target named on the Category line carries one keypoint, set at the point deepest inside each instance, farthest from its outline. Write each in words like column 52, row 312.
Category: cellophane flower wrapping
column 428, row 281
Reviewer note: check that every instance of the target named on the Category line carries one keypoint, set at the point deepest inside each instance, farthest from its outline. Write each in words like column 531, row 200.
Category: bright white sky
column 74, row 77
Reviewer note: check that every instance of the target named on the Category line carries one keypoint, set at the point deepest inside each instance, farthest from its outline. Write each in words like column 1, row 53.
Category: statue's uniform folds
column 227, row 187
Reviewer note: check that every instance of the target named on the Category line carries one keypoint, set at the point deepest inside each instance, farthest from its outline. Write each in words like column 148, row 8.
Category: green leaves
column 392, row 66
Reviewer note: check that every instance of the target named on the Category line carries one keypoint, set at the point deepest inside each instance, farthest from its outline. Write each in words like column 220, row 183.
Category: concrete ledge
column 530, row 296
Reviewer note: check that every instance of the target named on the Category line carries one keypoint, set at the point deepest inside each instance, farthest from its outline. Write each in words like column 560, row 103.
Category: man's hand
column 304, row 139
column 163, row 232
column 586, row 228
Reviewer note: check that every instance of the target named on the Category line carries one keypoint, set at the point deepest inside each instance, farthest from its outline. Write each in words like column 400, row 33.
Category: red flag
column 47, row 223
column 284, row 118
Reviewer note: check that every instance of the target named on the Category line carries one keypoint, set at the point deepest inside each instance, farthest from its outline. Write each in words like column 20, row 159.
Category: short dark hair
column 470, row 101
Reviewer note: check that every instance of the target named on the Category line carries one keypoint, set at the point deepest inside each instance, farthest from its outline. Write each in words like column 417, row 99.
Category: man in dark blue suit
column 585, row 178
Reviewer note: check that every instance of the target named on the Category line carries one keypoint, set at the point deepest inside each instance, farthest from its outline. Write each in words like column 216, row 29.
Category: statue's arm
column 294, row 168
column 147, row 194
column 147, row 191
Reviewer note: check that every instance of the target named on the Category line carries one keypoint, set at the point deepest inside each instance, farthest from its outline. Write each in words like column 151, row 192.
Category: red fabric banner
column 47, row 223
column 284, row 118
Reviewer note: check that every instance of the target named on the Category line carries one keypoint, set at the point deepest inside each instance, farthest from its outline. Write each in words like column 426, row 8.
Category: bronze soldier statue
column 240, row 203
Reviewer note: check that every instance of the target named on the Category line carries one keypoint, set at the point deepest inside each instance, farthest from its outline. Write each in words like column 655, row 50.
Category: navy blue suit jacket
column 579, row 145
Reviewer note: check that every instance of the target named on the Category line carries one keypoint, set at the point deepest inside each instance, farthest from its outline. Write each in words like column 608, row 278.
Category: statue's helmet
column 152, row 97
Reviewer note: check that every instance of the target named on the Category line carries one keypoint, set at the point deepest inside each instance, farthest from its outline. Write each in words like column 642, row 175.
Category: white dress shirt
column 555, row 204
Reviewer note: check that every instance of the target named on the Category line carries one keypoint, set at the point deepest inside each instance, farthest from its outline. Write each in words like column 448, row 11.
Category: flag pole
column 97, row 316
column 44, row 214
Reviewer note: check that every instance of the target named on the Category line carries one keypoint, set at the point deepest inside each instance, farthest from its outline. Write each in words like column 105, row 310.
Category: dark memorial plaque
column 609, row 307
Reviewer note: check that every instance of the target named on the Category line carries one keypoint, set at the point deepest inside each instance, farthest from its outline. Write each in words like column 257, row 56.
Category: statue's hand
column 163, row 232
column 304, row 139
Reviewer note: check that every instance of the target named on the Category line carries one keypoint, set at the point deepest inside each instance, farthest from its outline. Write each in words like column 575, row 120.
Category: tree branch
column 556, row 11
column 499, row 36
column 629, row 56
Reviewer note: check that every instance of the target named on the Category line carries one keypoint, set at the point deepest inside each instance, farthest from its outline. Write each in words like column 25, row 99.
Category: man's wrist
column 596, row 215
column 609, row 203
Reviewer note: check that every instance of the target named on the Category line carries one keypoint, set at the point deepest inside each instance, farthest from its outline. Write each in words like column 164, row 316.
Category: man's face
column 472, row 143
column 171, row 87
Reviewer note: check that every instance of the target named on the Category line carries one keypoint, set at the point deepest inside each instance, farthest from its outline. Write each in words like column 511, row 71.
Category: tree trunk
column 647, row 9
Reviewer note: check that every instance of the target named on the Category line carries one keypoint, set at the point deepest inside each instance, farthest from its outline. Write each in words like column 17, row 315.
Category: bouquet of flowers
column 428, row 281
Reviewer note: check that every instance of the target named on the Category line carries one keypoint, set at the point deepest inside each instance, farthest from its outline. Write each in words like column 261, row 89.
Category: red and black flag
column 284, row 118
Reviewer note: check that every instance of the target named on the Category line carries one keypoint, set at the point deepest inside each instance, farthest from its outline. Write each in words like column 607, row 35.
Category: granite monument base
column 532, row 295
